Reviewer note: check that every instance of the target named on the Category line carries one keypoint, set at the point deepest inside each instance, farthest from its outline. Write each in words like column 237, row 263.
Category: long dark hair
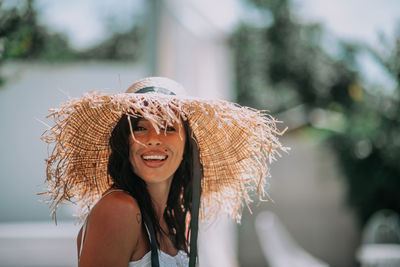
column 179, row 203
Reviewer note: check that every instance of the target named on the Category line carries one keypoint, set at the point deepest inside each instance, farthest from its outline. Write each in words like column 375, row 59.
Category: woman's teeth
column 154, row 157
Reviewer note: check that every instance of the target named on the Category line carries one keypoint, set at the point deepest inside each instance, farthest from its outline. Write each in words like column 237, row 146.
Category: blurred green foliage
column 125, row 46
column 23, row 38
column 282, row 65
column 369, row 149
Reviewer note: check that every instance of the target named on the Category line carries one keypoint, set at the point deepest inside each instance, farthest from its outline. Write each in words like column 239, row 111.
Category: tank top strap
column 147, row 230
column 82, row 236
column 87, row 216
column 153, row 240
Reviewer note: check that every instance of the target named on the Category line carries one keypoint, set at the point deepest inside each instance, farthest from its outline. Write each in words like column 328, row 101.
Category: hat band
column 155, row 90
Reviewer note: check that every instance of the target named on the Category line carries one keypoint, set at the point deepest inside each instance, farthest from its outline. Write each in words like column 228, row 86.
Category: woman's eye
column 168, row 129
column 139, row 129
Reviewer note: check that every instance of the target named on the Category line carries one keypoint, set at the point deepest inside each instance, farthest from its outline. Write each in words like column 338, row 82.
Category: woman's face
column 156, row 157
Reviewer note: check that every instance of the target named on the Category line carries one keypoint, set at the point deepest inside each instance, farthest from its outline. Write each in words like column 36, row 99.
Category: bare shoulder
column 118, row 207
column 113, row 230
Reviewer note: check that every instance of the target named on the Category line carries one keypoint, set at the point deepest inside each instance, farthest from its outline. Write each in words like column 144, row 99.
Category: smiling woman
column 154, row 170
column 143, row 161
column 156, row 156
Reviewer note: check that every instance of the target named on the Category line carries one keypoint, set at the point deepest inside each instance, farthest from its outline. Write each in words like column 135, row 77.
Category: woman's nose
column 153, row 138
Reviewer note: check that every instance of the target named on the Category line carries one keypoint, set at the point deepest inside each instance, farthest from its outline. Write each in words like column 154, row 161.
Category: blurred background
column 330, row 70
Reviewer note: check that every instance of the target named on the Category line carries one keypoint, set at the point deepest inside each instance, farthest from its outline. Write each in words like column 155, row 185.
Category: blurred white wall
column 193, row 45
column 38, row 244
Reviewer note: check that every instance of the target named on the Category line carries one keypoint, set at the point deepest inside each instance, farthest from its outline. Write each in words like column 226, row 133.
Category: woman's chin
column 155, row 177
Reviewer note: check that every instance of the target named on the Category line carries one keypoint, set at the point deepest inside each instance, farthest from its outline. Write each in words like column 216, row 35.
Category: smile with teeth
column 155, row 157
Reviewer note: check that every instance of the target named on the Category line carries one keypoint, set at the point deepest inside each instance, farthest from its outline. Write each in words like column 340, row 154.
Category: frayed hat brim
column 236, row 144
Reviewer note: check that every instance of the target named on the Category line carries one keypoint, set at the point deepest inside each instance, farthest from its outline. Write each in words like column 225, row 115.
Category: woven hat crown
column 158, row 83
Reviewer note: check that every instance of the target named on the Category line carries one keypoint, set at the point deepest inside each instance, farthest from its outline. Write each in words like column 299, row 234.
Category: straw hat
column 236, row 144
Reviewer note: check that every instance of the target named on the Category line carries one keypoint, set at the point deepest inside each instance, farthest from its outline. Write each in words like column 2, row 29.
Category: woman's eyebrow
column 142, row 119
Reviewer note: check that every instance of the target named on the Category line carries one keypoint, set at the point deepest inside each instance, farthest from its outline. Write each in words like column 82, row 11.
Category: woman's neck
column 159, row 195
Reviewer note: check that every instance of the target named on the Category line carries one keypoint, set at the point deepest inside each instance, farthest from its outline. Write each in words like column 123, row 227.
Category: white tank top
column 179, row 260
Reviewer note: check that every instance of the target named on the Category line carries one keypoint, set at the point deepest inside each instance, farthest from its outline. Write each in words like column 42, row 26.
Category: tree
column 283, row 65
column 23, row 38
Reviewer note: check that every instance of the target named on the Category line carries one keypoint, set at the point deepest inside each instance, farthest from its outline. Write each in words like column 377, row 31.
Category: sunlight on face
column 156, row 157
